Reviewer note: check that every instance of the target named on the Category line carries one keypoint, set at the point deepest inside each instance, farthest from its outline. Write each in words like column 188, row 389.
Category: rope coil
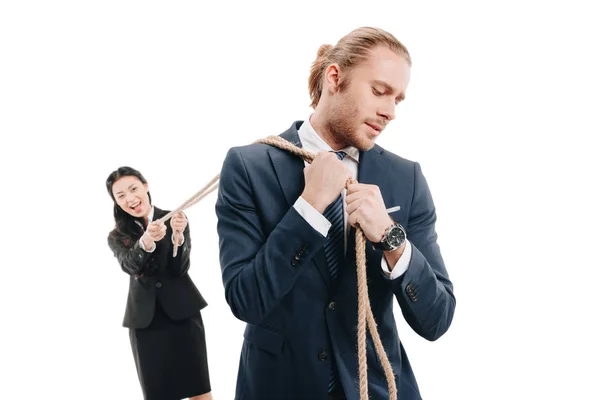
column 365, row 314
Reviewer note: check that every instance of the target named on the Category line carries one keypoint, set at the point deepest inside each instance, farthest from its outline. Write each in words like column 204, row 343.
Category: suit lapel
column 158, row 213
column 289, row 169
column 373, row 168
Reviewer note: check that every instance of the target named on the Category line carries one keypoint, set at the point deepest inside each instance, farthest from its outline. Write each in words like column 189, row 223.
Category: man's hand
column 365, row 207
column 324, row 178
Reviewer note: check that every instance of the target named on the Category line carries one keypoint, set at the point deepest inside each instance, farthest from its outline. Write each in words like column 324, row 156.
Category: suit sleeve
column 258, row 269
column 180, row 264
column 132, row 260
column 425, row 292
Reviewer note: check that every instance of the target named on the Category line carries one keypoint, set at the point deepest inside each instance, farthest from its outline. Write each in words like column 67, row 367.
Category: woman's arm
column 132, row 259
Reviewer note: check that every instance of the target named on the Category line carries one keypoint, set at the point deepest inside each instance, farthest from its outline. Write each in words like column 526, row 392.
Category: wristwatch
column 393, row 239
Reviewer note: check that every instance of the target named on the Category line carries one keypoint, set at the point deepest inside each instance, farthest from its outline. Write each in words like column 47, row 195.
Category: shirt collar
column 311, row 141
column 150, row 217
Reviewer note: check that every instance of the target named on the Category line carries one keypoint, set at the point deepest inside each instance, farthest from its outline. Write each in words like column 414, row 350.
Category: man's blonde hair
column 349, row 51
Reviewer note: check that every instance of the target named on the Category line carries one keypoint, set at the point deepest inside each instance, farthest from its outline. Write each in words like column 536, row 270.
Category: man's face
column 360, row 112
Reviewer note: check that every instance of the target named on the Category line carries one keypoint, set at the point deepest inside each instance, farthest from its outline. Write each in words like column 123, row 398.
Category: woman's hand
column 154, row 233
column 178, row 222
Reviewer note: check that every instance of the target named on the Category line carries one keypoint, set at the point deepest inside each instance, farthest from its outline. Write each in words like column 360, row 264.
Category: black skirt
column 170, row 357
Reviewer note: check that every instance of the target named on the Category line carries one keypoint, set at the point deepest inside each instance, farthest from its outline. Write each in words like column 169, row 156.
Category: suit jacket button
column 322, row 356
column 294, row 262
column 332, row 305
column 158, row 285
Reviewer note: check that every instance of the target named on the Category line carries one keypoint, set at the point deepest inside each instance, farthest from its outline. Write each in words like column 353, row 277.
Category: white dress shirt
column 150, row 217
column 311, row 141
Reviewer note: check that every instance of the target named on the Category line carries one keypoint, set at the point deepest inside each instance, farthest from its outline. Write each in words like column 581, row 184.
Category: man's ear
column 332, row 78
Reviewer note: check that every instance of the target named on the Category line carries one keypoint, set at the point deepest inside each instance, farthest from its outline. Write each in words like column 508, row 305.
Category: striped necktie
column 334, row 245
column 334, row 253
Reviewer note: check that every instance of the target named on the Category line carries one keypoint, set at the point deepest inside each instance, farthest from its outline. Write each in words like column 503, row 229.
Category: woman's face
column 132, row 196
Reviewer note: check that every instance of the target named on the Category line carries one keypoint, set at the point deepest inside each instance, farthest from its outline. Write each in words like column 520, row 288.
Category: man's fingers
column 358, row 187
column 354, row 205
column 353, row 196
column 353, row 219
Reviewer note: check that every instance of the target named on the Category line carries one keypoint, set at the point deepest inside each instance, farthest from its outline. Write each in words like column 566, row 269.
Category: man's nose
column 388, row 111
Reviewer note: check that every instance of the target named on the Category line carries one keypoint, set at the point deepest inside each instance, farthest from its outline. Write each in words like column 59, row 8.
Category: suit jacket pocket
column 264, row 338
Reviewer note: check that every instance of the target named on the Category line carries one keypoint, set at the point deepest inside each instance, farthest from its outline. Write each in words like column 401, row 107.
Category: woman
column 163, row 306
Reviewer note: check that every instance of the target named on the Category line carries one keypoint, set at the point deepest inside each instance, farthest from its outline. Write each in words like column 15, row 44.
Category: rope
column 202, row 193
column 365, row 314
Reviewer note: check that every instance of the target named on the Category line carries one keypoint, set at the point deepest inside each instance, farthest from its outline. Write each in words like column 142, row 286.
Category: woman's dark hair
column 125, row 224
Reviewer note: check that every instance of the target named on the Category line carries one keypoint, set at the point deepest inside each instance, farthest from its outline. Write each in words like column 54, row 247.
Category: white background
column 501, row 112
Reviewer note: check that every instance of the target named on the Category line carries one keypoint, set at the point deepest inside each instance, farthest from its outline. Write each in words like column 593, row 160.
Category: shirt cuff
column 312, row 216
column 401, row 265
column 151, row 249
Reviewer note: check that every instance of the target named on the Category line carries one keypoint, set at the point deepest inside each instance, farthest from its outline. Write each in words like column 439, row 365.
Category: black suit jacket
column 157, row 276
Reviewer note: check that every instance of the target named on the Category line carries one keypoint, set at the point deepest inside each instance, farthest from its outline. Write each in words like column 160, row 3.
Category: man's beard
column 342, row 126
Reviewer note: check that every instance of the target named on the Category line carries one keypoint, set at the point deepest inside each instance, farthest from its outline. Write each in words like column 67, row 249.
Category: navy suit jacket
column 297, row 318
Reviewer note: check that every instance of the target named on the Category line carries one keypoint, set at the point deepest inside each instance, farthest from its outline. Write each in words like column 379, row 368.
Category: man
column 287, row 239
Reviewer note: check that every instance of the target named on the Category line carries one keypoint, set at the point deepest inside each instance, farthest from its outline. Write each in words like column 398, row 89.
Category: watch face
column 396, row 237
